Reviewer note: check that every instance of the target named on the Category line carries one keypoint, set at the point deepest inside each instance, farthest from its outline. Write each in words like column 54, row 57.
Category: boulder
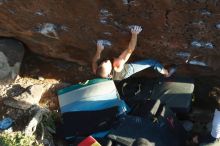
column 69, row 29
column 11, row 55
column 27, row 99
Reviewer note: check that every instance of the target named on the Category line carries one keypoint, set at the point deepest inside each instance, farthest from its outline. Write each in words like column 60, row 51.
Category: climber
column 118, row 69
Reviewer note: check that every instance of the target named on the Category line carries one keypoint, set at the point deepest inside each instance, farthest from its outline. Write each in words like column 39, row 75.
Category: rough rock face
column 172, row 32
